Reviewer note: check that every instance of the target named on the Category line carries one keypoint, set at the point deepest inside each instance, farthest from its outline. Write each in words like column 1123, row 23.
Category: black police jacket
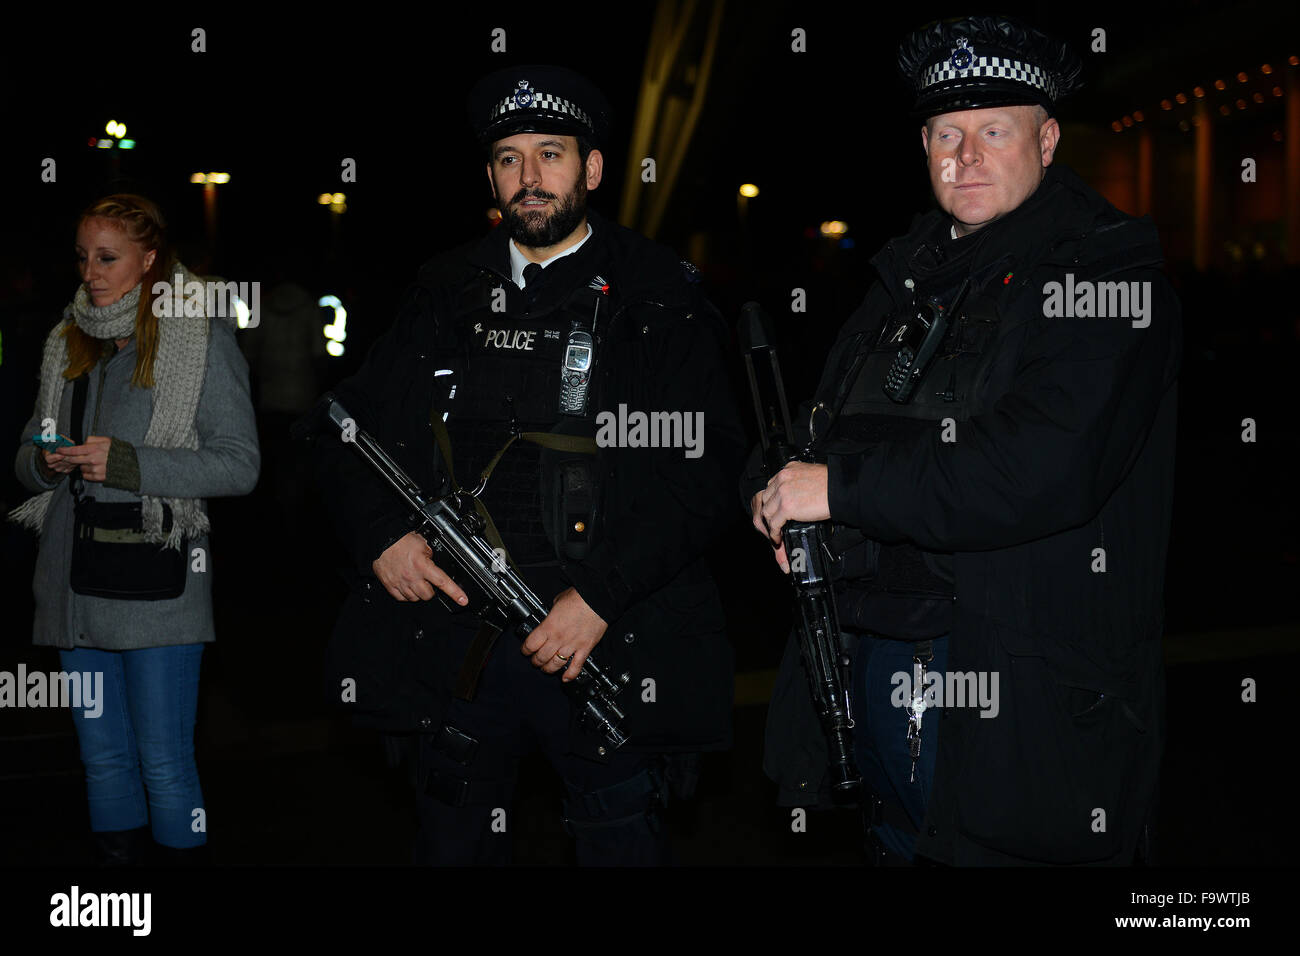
column 645, row 575
column 1049, row 492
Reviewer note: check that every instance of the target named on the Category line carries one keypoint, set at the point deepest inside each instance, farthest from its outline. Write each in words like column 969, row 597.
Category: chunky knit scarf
column 178, row 382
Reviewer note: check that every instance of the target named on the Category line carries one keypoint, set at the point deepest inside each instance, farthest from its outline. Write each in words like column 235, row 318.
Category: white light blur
column 336, row 331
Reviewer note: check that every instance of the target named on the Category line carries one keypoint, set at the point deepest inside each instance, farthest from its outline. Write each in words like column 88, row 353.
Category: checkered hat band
column 993, row 67
column 542, row 101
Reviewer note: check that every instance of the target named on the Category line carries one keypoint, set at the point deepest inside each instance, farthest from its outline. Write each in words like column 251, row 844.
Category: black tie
column 532, row 272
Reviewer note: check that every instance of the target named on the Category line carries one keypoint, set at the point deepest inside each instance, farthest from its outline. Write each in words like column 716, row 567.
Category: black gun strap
column 475, row 660
column 477, row 654
column 855, row 358
column 567, row 443
column 444, row 445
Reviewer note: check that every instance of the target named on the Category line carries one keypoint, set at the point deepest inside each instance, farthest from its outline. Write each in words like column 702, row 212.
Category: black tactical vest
column 506, row 378
column 897, row 589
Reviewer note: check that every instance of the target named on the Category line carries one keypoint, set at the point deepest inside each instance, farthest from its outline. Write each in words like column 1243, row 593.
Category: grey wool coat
column 225, row 463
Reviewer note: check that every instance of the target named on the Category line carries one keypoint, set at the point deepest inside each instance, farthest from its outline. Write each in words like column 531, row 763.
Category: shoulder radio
column 918, row 341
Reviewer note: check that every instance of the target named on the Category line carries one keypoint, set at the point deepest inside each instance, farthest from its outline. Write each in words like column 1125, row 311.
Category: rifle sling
column 477, row 654
column 475, row 660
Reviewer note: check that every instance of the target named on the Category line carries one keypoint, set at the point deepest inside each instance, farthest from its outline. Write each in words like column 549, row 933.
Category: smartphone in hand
column 51, row 444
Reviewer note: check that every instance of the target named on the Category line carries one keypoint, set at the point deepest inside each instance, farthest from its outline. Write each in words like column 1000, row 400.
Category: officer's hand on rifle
column 798, row 492
column 407, row 572
column 566, row 636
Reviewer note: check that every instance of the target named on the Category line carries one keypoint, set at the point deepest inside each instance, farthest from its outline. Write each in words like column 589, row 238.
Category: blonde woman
column 123, row 575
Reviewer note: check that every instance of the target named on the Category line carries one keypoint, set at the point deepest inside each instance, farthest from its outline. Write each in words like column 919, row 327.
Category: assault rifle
column 454, row 530
column 821, row 642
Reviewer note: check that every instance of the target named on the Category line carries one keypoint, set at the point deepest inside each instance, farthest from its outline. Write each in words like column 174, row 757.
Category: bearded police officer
column 505, row 351
column 1004, row 460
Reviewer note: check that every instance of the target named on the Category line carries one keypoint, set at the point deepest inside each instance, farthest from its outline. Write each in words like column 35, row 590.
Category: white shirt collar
column 517, row 260
column 953, row 231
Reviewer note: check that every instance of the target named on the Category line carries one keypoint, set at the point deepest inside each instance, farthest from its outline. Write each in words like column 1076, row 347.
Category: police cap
column 538, row 99
column 976, row 62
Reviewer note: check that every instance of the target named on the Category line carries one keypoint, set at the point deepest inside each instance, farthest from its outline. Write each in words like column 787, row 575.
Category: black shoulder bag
column 110, row 556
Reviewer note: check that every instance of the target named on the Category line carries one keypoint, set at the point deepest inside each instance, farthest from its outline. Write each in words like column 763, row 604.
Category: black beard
column 538, row 230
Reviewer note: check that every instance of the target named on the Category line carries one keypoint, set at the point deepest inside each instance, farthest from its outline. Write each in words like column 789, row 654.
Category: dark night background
column 278, row 103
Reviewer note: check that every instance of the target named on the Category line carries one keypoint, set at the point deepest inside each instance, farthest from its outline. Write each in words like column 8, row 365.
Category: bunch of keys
column 917, row 708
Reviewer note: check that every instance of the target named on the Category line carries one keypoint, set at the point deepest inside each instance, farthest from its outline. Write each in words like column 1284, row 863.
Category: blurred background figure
column 286, row 358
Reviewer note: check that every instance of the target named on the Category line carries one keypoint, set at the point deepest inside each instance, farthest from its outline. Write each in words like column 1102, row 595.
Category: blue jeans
column 143, row 741
column 880, row 737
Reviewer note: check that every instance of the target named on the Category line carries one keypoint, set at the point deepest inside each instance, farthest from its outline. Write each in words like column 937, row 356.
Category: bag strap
column 80, row 390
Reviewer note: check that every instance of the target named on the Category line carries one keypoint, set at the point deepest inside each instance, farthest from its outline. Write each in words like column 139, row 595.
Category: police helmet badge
column 963, row 54
column 524, row 95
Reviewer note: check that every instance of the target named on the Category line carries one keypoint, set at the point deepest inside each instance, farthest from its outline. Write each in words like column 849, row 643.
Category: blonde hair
column 142, row 222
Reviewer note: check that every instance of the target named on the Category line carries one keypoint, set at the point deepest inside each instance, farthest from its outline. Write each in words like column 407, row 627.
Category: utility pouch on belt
column 110, row 556
column 571, row 489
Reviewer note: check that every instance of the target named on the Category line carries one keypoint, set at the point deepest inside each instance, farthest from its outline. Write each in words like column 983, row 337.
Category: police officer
column 517, row 368
column 1010, row 493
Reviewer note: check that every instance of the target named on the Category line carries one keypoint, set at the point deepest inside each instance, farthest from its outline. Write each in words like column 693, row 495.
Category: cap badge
column 963, row 55
column 525, row 95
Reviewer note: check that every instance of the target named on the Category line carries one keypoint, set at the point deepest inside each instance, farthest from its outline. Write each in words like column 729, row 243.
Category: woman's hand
column 92, row 457
column 54, row 463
